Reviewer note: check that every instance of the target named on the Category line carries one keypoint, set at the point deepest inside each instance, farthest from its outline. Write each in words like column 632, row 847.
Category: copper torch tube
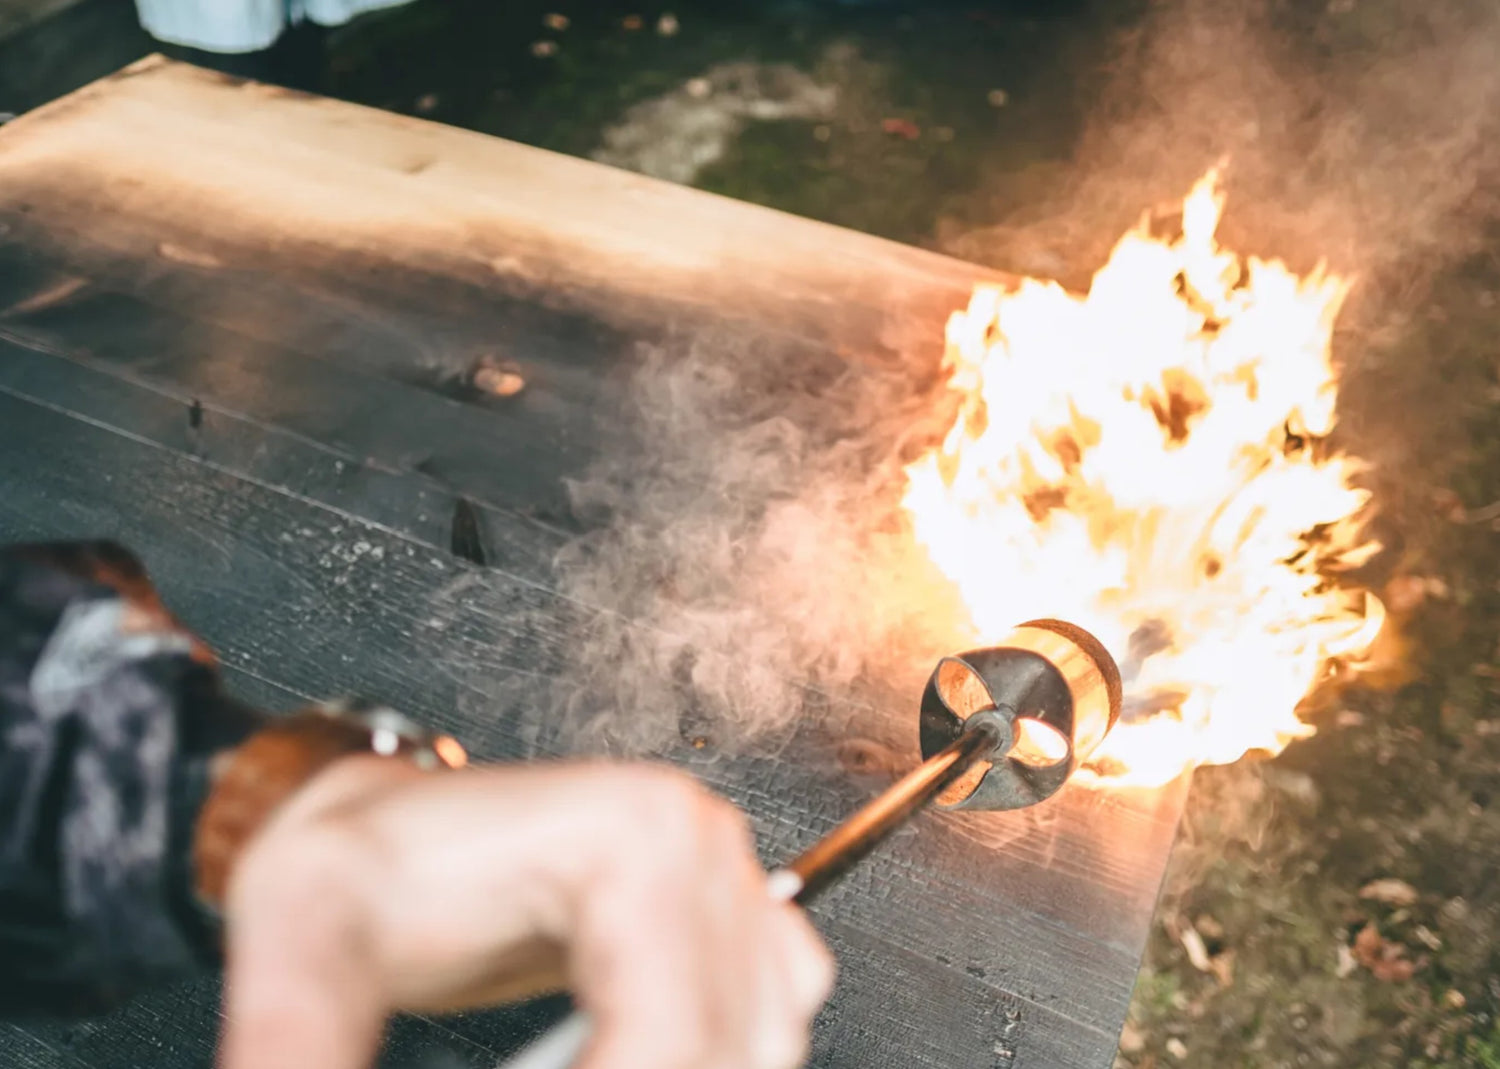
column 831, row 856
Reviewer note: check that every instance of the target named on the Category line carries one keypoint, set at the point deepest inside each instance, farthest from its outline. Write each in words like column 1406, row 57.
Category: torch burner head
column 1050, row 692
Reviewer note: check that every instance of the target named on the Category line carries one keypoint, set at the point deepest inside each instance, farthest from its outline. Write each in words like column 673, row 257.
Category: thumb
column 301, row 989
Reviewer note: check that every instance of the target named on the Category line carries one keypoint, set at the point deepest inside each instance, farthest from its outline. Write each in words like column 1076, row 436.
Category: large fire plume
column 1148, row 461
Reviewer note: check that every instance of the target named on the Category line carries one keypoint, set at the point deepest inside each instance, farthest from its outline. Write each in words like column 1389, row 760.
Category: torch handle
column 820, row 865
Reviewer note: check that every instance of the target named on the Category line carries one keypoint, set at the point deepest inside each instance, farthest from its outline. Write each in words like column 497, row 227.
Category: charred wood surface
column 239, row 329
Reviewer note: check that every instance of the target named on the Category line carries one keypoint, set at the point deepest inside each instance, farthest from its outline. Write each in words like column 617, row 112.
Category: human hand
column 379, row 888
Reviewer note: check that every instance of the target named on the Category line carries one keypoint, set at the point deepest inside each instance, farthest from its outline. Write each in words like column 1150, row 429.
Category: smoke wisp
column 750, row 549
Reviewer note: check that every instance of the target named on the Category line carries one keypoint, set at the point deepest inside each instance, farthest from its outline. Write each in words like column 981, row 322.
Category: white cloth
column 242, row 25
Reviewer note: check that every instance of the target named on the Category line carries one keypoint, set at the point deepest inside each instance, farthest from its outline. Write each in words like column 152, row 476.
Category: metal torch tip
column 1055, row 686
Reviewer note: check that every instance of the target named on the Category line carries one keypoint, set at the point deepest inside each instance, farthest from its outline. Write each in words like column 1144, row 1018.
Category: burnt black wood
column 286, row 441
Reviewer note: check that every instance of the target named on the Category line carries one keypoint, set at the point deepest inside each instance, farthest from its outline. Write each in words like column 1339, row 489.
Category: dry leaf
column 1393, row 970
column 1390, row 891
column 1197, row 953
column 1131, row 1041
column 1346, row 963
column 1386, row 960
column 1222, row 966
column 1368, row 944
column 1177, row 1048
column 901, row 128
column 1405, row 592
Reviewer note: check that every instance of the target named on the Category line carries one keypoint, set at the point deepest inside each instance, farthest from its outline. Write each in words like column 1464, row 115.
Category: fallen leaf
column 1386, row 960
column 1405, row 592
column 1210, row 928
column 1131, row 1041
column 1368, row 944
column 1428, row 937
column 1222, row 966
column 1449, row 505
column 1177, row 1048
column 1197, row 953
column 901, row 128
column 1346, row 963
column 1393, row 970
column 554, row 21
column 1389, row 891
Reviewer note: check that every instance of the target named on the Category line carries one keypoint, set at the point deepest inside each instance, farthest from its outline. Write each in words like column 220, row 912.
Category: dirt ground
column 1336, row 906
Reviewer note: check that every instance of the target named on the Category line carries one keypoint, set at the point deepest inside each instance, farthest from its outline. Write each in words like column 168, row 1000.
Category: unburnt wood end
column 239, row 331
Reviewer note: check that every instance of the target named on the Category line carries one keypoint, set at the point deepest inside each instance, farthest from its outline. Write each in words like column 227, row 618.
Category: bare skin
column 378, row 888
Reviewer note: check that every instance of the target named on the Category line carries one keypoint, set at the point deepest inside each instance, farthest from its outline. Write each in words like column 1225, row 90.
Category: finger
column 779, row 1040
column 733, row 890
column 637, row 966
column 810, row 967
column 301, row 986
column 796, row 974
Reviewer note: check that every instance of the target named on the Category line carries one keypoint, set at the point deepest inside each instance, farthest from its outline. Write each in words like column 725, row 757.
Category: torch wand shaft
column 841, row 849
column 821, row 864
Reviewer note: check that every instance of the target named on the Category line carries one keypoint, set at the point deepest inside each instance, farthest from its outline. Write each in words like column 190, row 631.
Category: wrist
column 304, row 756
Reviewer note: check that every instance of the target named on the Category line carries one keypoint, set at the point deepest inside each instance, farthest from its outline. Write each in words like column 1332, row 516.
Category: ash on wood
column 306, row 280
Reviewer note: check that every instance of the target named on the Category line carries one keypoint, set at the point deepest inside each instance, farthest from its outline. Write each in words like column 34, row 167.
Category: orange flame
column 1145, row 462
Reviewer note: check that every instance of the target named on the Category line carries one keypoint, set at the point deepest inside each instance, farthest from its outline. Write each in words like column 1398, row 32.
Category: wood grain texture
column 245, row 350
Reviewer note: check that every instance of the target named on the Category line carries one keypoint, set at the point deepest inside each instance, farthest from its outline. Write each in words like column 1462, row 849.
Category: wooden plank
column 412, row 503
column 326, row 603
column 319, row 278
column 240, row 174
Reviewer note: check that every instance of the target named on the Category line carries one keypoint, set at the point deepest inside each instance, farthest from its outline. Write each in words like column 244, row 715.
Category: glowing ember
column 1145, row 462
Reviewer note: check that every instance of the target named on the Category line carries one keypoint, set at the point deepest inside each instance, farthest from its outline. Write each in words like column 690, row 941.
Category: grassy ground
column 1399, row 787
